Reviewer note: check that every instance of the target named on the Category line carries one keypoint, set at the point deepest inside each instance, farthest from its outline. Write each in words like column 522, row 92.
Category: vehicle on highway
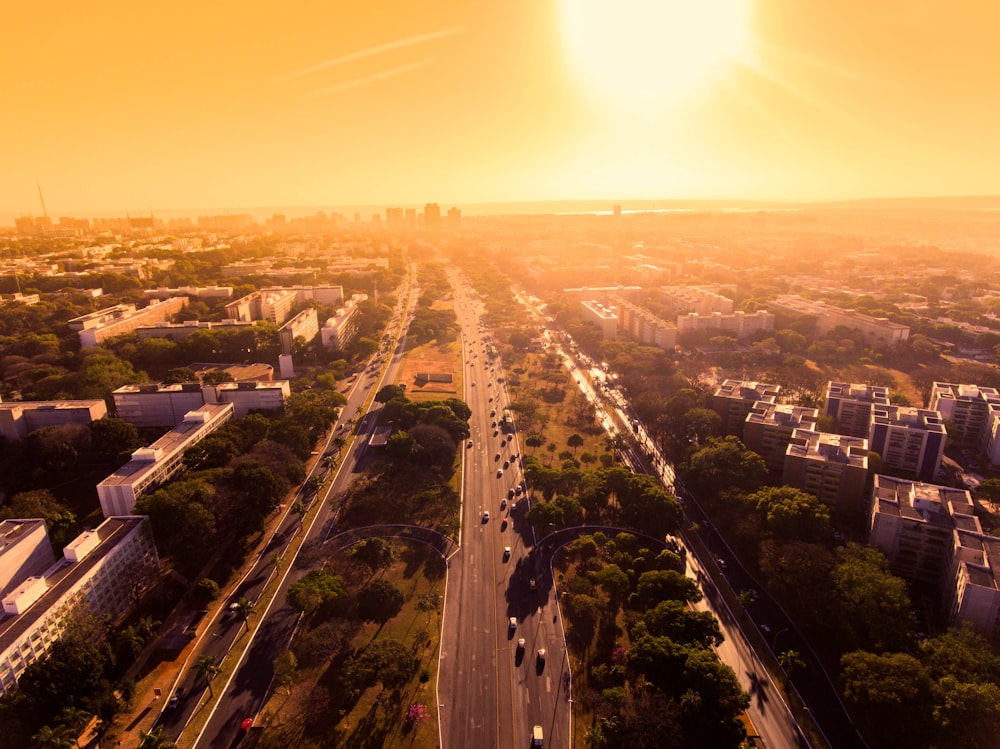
column 766, row 630
column 503, row 504
column 506, row 552
column 499, row 472
column 473, row 383
column 469, row 443
column 486, row 516
column 175, row 698
column 497, row 457
column 513, row 623
column 246, row 725
column 506, row 464
column 520, row 645
column 532, row 583
column 510, row 494
column 537, row 739
column 541, row 655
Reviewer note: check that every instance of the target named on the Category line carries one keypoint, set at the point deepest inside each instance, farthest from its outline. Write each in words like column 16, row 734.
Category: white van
column 536, row 737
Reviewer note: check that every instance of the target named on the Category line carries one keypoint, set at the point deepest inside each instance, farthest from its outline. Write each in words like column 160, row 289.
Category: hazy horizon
column 122, row 108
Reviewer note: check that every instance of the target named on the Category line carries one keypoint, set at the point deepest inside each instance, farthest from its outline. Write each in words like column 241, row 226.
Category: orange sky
column 138, row 106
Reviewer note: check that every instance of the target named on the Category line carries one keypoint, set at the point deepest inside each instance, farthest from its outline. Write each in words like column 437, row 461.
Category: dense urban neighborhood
column 700, row 478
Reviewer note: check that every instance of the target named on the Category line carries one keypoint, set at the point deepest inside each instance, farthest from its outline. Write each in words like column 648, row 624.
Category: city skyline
column 116, row 108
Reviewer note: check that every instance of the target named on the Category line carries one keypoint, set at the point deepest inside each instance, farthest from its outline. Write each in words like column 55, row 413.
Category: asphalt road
column 244, row 694
column 491, row 693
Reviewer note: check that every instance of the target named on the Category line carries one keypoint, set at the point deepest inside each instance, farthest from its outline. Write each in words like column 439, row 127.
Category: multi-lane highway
column 244, row 693
column 491, row 690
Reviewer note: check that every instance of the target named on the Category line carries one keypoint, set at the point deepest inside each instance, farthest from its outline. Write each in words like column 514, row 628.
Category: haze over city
column 116, row 107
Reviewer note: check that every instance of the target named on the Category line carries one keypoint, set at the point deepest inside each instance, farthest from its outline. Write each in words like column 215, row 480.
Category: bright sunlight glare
column 653, row 50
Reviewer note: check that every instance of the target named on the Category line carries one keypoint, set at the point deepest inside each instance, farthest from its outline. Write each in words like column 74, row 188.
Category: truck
column 536, row 737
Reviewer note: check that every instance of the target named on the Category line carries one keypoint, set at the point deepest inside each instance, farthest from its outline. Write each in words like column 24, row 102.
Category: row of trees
column 656, row 682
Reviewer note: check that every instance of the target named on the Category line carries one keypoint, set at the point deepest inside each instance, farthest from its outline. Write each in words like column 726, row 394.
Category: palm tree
column 206, row 668
column 74, row 720
column 244, row 607
column 155, row 738
column 53, row 738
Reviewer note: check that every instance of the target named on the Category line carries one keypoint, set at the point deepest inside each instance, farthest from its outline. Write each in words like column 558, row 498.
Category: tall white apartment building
column 967, row 408
column 604, row 317
column 734, row 399
column 646, row 327
column 831, row 467
column 104, row 570
column 340, row 330
column 852, row 405
column 909, row 439
column 17, row 418
column 768, row 429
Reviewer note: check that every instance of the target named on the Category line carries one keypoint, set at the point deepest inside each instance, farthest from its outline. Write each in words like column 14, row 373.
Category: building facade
column 17, row 418
column 734, row 399
column 853, row 405
column 151, row 466
column 768, row 428
column 831, row 467
column 909, row 439
column 103, row 570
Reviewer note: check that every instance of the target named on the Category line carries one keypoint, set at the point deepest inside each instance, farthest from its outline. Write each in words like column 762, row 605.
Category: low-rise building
column 103, row 570
column 876, row 331
column 740, row 324
column 121, row 319
column 699, row 299
column 17, row 418
column 768, row 429
column 909, row 439
column 157, row 405
column 151, row 466
column 247, row 397
column 852, row 405
column 831, row 467
column 734, row 399
column 181, row 330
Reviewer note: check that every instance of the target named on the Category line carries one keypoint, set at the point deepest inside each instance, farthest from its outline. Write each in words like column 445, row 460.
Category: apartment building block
column 768, row 429
column 151, row 466
column 102, row 570
column 17, row 418
column 181, row 330
column 734, row 399
column 159, row 405
column 967, row 409
column 25, row 551
column 740, row 324
column 852, row 405
column 699, row 299
column 121, row 319
column 909, row 439
column 831, row 467
column 340, row 330
column 913, row 523
column 645, row 327
column 304, row 325
column 876, row 331
column 604, row 317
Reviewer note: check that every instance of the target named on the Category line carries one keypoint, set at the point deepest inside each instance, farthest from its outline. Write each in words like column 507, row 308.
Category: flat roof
column 62, row 576
column 169, row 443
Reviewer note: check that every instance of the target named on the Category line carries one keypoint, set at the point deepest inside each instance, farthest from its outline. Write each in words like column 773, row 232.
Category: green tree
column 655, row 586
column 379, row 601
column 285, row 666
column 155, row 738
column 385, row 660
column 893, row 693
column 316, row 590
column 792, row 515
column 575, row 441
column 206, row 669
column 375, row 553
column 113, row 439
column 872, row 603
column 244, row 608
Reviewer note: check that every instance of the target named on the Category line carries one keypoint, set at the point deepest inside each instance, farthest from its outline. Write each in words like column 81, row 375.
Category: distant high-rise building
column 852, row 406
column 454, row 217
column 734, row 399
column 432, row 216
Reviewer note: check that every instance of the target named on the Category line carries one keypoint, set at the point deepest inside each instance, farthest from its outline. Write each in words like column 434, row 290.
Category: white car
column 506, row 552
column 513, row 623
column 486, row 516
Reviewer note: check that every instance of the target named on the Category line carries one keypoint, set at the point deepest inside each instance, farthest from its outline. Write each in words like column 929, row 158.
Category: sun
column 653, row 50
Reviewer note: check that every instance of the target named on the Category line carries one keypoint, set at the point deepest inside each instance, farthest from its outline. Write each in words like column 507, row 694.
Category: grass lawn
column 315, row 712
column 435, row 358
